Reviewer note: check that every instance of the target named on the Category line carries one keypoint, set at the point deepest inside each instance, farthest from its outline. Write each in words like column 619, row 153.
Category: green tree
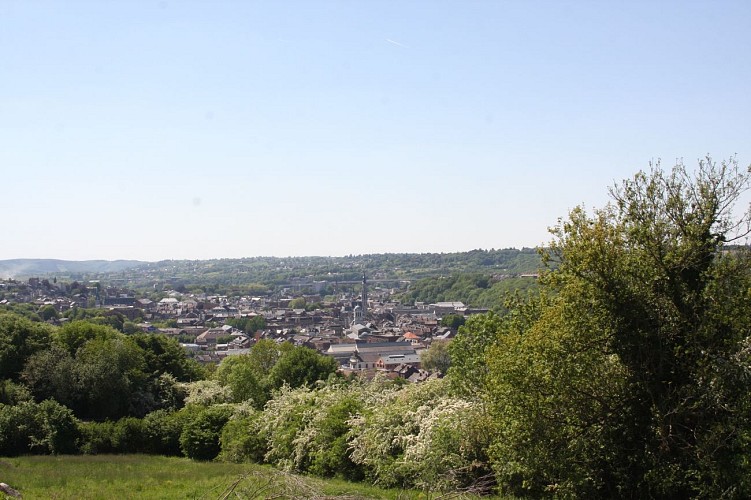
column 248, row 376
column 200, row 435
column 635, row 373
column 28, row 427
column 301, row 367
column 51, row 374
column 437, row 357
column 242, row 439
column 245, row 379
column 249, row 325
column 468, row 353
column 48, row 312
column 19, row 339
column 298, row 303
column 75, row 334
column 109, row 378
column 453, row 320
column 164, row 355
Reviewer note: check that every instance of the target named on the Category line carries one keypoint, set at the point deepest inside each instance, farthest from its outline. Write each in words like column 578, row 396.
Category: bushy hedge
column 397, row 436
column 200, row 436
column 43, row 428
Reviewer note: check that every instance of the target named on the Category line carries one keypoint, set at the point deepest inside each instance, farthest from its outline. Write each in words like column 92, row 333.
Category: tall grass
column 153, row 477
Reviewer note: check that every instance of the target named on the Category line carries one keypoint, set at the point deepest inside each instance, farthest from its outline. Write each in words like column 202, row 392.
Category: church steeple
column 364, row 298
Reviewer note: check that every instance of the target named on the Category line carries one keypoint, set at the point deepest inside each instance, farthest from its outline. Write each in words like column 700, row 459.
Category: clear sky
column 205, row 129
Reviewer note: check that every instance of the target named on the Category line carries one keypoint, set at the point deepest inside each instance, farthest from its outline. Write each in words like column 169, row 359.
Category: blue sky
column 167, row 130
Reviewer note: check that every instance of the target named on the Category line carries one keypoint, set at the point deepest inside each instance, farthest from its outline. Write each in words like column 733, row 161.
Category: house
column 412, row 338
column 210, row 336
column 391, row 361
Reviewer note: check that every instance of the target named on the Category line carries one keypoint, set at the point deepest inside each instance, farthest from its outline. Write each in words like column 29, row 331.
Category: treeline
column 85, row 387
column 473, row 289
column 262, row 275
column 96, row 371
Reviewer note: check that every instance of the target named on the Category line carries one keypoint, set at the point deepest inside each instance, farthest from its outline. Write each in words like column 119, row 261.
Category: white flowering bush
column 285, row 416
column 397, row 436
column 323, row 447
column 207, row 392
column 420, row 436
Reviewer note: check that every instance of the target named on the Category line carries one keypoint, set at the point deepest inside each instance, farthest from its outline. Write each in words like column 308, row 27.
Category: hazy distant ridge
column 19, row 268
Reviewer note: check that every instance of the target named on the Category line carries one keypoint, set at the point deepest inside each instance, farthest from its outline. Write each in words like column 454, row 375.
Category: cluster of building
column 366, row 333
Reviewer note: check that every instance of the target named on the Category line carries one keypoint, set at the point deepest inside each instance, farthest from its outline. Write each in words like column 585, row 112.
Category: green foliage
column 20, row 338
column 554, row 393
column 467, row 351
column 301, row 367
column 51, row 374
column 199, row 439
column 285, row 416
column 633, row 380
column 246, row 380
column 75, row 334
column 474, row 289
column 246, row 376
column 102, row 374
column 96, row 437
column 420, row 436
column 110, row 376
column 302, row 430
column 308, row 430
column 328, row 436
column 129, row 436
column 163, row 429
column 248, row 324
column 297, row 303
column 56, row 428
column 268, row 366
column 12, row 393
column 164, row 355
column 27, row 311
column 242, row 439
column 157, row 433
column 437, row 357
column 48, row 312
column 453, row 320
column 28, row 427
column 207, row 392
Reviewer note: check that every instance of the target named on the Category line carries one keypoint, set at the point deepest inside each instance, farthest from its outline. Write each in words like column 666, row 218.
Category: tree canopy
column 630, row 375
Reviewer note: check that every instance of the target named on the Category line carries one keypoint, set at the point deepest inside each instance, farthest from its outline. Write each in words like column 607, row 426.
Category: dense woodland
column 625, row 371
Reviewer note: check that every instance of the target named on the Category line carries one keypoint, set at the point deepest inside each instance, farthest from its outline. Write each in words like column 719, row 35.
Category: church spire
column 364, row 298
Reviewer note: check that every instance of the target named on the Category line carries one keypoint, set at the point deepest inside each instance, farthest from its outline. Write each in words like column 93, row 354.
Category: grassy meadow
column 154, row 477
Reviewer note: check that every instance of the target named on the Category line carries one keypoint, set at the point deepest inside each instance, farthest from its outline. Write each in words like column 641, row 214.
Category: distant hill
column 23, row 268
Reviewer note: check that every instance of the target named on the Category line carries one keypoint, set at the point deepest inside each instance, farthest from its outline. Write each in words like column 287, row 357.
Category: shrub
column 420, row 436
column 163, row 430
column 57, row 429
column 200, row 436
column 12, row 393
column 242, row 438
column 129, row 436
column 44, row 428
column 96, row 437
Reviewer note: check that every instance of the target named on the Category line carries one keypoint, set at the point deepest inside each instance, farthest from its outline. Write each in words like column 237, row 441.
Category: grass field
column 153, row 477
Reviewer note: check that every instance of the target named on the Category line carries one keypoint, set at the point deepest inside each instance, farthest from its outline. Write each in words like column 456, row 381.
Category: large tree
column 19, row 339
column 636, row 374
